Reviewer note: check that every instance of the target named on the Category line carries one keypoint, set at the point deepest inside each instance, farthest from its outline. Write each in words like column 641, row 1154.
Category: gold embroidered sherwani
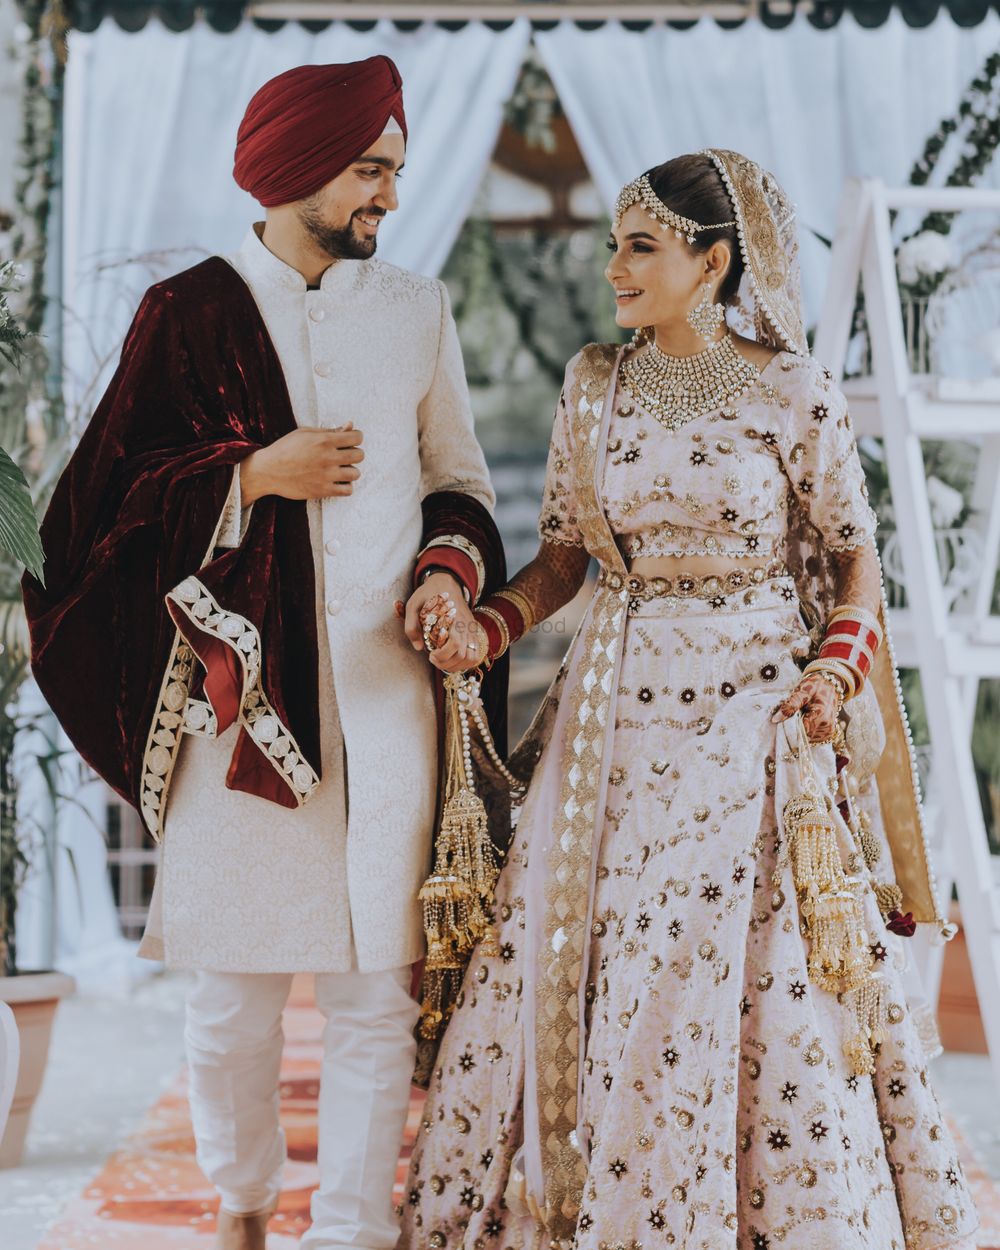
column 248, row 886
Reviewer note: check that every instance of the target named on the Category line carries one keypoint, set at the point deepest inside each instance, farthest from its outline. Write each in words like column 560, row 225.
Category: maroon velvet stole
column 142, row 629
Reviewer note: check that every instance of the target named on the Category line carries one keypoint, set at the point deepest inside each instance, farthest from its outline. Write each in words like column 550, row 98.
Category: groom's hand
column 305, row 464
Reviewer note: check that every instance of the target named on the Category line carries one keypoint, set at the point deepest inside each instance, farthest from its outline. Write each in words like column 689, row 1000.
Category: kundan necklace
column 676, row 389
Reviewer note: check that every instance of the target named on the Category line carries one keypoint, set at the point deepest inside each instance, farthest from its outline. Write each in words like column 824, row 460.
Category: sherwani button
column 317, row 314
column 332, row 606
column 332, row 547
column 322, row 370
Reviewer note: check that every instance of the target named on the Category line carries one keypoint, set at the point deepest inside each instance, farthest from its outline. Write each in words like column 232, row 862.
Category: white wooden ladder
column 954, row 649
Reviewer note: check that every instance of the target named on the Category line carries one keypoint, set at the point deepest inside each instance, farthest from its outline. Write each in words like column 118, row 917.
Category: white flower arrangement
column 926, row 256
column 945, row 501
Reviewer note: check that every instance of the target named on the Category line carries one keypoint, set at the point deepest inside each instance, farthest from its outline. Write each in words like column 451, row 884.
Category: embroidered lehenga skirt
column 717, row 1105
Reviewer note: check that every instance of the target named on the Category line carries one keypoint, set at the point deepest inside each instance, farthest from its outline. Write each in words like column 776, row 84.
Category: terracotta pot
column 33, row 997
column 959, row 1022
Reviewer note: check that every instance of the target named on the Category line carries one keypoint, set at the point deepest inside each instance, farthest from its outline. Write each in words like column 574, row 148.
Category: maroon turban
column 306, row 126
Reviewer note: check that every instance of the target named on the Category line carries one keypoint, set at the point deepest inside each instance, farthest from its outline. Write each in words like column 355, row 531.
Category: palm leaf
column 18, row 523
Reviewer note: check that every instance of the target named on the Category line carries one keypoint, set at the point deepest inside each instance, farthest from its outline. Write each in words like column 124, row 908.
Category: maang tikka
column 707, row 316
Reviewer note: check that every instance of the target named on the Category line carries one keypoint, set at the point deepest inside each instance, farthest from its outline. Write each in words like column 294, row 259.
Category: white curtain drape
column 814, row 106
column 150, row 125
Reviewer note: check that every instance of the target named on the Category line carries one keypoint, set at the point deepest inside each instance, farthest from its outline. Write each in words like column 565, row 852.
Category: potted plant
column 33, row 996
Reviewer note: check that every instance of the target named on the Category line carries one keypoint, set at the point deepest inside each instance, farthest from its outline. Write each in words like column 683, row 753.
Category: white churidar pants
column 234, row 1041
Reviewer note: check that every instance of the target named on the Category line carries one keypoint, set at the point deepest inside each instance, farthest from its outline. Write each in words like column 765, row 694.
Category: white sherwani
column 246, row 885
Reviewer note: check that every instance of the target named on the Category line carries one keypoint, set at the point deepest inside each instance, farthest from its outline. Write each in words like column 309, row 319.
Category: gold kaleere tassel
column 457, row 897
column 840, row 958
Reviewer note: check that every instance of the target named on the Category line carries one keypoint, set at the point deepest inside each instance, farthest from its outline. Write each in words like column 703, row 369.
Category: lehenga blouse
column 720, row 485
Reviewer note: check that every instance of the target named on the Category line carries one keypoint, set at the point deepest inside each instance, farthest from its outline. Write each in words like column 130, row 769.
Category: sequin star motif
column 413, row 1197
column 618, row 1168
column 739, row 872
column 846, row 531
column 585, row 1221
column 642, row 922
column 644, row 694
column 467, row 1197
column 778, row 1139
column 730, row 515
column 789, row 1092
column 632, row 455
column 820, row 412
column 952, row 1177
column 493, row 1227
column 671, row 1056
column 797, row 990
column 608, row 1079
column 466, row 1062
column 698, row 457
column 507, row 952
column 656, row 1220
column 818, row 1130
column 674, row 929
column 486, row 1160
column 853, row 1082
column 711, row 893
column 760, row 1241
column 878, row 951
column 744, row 1006
column 897, row 1088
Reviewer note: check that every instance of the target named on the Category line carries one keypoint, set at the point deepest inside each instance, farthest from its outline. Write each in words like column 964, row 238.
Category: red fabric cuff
column 455, row 562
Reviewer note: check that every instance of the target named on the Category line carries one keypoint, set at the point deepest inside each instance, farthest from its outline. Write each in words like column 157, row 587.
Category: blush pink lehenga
column 646, row 1063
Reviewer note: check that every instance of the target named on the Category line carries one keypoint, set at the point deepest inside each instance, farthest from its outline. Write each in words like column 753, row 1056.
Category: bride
column 694, row 1032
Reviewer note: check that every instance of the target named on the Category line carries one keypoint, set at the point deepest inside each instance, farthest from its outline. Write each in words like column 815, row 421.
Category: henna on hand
column 819, row 704
column 552, row 578
column 858, row 579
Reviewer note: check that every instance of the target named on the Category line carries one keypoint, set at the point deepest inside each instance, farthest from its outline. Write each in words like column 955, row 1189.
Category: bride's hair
column 691, row 186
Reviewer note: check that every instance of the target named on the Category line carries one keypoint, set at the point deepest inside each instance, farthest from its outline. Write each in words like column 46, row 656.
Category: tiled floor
column 150, row 1194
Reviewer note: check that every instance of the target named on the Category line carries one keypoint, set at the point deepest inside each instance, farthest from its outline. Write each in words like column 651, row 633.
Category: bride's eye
column 611, row 245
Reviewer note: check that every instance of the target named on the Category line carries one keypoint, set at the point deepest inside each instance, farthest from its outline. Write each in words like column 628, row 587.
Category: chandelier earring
column 706, row 317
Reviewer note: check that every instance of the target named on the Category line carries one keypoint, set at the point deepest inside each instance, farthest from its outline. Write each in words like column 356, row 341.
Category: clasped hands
column 437, row 619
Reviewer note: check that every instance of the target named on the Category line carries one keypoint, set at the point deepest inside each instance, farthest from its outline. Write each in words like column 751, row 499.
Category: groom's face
column 655, row 275
column 343, row 217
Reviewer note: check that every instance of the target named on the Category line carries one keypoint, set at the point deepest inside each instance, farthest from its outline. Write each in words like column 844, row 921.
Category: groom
column 285, row 451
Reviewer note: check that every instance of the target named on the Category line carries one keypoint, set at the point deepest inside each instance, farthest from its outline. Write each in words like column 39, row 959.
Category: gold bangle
column 846, row 672
column 501, row 624
column 521, row 603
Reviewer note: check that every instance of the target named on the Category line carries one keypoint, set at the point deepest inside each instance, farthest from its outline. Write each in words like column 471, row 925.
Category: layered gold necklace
column 676, row 389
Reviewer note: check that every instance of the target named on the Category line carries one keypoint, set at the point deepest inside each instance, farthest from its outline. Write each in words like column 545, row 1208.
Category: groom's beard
column 339, row 242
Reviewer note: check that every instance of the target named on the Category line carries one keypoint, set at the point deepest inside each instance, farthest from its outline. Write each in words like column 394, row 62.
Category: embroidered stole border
column 191, row 604
column 565, row 931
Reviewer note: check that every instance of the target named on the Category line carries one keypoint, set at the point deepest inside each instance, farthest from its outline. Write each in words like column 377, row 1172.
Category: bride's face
column 656, row 276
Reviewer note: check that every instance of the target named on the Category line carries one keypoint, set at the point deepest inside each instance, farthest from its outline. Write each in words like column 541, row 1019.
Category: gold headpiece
column 641, row 192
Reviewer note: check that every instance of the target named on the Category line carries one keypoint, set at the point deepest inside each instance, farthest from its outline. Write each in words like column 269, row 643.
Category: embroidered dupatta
column 568, row 748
